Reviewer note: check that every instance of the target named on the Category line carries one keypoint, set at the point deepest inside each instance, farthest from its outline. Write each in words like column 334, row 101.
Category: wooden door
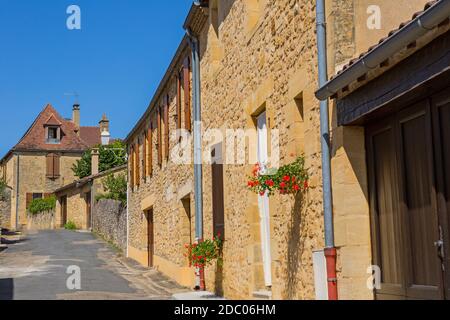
column 441, row 125
column 150, row 238
column 63, row 210
column 218, row 193
column 404, row 207
column 88, row 211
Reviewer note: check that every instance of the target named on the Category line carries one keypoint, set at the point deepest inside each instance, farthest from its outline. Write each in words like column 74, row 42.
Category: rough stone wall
column 76, row 207
column 41, row 221
column 163, row 191
column 110, row 222
column 32, row 178
column 267, row 65
column 5, row 209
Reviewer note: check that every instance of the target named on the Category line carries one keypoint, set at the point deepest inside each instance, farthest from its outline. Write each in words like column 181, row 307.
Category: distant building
column 42, row 160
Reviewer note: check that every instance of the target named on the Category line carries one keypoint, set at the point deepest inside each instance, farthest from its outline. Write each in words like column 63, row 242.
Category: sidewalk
column 196, row 295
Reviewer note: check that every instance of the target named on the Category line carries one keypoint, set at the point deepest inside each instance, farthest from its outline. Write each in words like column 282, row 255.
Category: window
column 53, row 135
column 53, row 166
column 37, row 196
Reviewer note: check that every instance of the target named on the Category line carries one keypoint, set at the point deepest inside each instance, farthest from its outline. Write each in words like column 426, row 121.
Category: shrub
column 115, row 187
column 70, row 225
column 2, row 189
column 111, row 156
column 42, row 205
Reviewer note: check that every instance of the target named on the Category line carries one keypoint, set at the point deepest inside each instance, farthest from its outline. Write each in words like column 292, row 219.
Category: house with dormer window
column 42, row 160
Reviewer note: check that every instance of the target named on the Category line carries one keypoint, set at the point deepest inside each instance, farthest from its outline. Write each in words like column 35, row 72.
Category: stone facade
column 261, row 56
column 5, row 208
column 110, row 222
column 41, row 221
column 78, row 195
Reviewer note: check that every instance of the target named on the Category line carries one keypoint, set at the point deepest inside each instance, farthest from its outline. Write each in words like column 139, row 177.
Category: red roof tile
column 34, row 139
column 91, row 135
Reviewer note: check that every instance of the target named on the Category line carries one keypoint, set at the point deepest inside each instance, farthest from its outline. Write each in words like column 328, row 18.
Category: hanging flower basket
column 288, row 179
column 205, row 252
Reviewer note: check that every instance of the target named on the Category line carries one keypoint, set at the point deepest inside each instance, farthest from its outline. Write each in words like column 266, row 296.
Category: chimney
column 76, row 115
column 104, row 124
column 104, row 130
column 95, row 161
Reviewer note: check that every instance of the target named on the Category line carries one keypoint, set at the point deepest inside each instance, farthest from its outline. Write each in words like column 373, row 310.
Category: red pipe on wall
column 331, row 257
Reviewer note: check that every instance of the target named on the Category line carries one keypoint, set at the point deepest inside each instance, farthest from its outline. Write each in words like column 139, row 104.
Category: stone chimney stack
column 76, row 115
column 104, row 124
column 95, row 160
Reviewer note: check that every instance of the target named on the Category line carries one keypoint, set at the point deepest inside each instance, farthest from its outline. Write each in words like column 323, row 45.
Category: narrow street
column 35, row 267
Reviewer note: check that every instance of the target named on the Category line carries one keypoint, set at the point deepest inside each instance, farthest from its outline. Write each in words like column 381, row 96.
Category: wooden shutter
column 131, row 164
column 47, row 195
column 179, row 107
column 56, row 166
column 150, row 149
column 159, row 142
column 187, row 93
column 53, row 167
column 50, row 162
column 29, row 199
column 137, row 168
column 144, row 156
column 166, row 127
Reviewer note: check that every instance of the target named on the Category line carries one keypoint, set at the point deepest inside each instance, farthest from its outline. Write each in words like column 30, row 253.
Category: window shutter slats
column 144, row 156
column 179, row 107
column 187, row 93
column 159, row 142
column 49, row 160
column 166, row 127
column 138, row 178
column 131, row 164
column 150, row 149
column 56, row 166
column 29, row 199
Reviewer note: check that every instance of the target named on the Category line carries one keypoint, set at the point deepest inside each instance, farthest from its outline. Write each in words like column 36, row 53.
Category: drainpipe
column 330, row 250
column 17, row 191
column 198, row 172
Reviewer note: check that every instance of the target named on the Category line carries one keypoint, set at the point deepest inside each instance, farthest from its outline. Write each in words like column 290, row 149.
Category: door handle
column 440, row 246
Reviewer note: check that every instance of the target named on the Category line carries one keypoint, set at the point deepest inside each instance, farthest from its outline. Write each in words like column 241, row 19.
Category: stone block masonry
column 110, row 222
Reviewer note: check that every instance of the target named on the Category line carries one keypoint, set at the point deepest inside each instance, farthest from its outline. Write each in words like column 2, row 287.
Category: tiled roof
column 91, row 135
column 34, row 138
column 391, row 33
column 52, row 121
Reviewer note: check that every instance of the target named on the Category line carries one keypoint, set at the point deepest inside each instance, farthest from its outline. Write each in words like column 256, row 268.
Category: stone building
column 391, row 159
column 258, row 69
column 42, row 160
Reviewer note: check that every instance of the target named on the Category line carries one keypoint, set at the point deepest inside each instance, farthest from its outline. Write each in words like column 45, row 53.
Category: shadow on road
column 10, row 242
column 6, row 289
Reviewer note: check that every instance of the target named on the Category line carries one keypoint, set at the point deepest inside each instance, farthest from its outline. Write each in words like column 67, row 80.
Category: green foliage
column 288, row 179
column 42, row 205
column 70, row 225
column 115, row 187
column 2, row 188
column 111, row 156
column 205, row 252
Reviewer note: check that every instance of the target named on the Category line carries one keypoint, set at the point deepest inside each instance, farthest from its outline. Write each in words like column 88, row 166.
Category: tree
column 111, row 156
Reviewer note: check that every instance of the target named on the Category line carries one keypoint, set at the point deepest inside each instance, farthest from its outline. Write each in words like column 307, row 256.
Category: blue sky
column 114, row 63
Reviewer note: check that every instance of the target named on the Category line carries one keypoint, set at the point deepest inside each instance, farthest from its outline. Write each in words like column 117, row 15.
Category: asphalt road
column 36, row 267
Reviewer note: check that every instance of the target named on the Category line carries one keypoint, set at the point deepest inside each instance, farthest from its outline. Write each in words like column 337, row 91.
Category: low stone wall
column 5, row 209
column 110, row 222
column 41, row 221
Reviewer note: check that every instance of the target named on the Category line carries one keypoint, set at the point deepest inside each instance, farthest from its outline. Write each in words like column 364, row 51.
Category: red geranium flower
column 282, row 185
column 286, row 178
